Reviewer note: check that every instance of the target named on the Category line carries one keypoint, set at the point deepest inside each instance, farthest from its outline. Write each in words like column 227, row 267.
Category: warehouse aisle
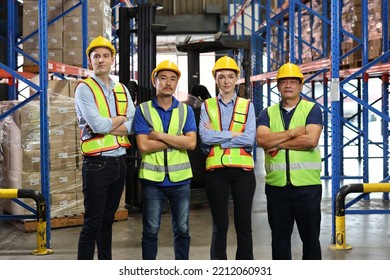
column 369, row 235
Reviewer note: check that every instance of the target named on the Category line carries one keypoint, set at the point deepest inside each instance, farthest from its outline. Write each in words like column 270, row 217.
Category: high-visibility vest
column 230, row 157
column 303, row 167
column 106, row 142
column 172, row 162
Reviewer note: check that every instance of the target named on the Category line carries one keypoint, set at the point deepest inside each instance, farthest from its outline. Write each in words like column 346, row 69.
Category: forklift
column 146, row 32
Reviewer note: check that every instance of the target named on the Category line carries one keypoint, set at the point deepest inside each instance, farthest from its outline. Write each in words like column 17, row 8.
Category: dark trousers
column 302, row 205
column 103, row 183
column 241, row 184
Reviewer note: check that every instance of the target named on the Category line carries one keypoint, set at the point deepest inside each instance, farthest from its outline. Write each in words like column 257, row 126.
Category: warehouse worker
column 105, row 112
column 228, row 129
column 165, row 129
column 289, row 133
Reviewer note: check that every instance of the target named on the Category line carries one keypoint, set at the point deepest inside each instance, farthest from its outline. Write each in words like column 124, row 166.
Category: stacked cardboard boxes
column 55, row 30
column 312, row 41
column 21, row 149
column 352, row 23
column 99, row 24
column 66, row 33
column 21, row 167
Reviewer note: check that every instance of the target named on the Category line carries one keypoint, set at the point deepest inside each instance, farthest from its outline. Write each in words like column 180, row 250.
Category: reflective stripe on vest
column 106, row 142
column 304, row 166
column 172, row 162
column 231, row 157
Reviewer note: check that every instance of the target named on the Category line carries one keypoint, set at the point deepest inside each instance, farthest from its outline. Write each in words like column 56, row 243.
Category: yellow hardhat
column 289, row 70
column 166, row 65
column 100, row 42
column 226, row 62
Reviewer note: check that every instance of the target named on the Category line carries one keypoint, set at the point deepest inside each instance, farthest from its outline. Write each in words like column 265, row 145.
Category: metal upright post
column 291, row 25
column 44, row 130
column 335, row 103
column 385, row 128
column 365, row 91
column 12, row 22
column 268, row 44
column 84, row 24
column 385, row 31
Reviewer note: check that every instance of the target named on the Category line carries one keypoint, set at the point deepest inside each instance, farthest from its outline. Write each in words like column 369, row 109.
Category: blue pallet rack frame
column 325, row 71
column 11, row 67
column 13, row 50
column 41, row 90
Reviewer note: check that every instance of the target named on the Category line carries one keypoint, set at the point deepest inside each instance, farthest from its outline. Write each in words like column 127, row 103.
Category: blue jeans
column 103, row 184
column 154, row 198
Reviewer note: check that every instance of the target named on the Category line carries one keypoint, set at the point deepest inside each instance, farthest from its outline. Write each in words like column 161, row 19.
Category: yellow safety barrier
column 340, row 239
column 41, row 215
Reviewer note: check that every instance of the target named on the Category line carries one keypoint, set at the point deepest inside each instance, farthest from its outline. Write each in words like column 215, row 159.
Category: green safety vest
column 172, row 162
column 304, row 167
column 106, row 142
column 230, row 157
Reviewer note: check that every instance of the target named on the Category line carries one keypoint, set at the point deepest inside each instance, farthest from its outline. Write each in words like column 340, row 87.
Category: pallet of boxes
column 65, row 34
column 352, row 23
column 21, row 165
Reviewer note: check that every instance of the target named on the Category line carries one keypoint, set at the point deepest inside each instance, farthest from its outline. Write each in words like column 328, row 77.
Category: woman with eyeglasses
column 227, row 129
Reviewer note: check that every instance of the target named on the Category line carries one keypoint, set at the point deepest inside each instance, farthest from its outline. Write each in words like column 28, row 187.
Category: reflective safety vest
column 230, row 157
column 172, row 162
column 303, row 168
column 106, row 142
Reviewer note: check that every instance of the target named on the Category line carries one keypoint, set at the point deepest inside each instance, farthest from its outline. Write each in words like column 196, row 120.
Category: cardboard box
column 63, row 159
column 73, row 57
column 72, row 87
column 31, row 9
column 63, row 181
column 30, row 25
column 63, row 137
column 54, row 39
column 52, row 55
column 31, row 161
column 63, row 115
column 97, row 7
column 73, row 41
column 64, row 204
column 58, row 87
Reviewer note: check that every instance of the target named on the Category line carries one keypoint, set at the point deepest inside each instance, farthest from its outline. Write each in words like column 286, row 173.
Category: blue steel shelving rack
column 11, row 71
column 279, row 32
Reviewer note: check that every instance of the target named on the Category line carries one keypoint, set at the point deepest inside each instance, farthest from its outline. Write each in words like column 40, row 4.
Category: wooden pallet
column 69, row 221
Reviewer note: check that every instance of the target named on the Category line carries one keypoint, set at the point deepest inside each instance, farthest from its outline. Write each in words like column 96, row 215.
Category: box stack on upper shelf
column 99, row 24
column 352, row 23
column 312, row 39
column 65, row 34
column 55, row 31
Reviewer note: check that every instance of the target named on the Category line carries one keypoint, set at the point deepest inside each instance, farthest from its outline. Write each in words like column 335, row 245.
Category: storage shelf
column 337, row 71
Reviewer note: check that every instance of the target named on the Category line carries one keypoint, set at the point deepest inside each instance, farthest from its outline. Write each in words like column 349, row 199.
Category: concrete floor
column 369, row 235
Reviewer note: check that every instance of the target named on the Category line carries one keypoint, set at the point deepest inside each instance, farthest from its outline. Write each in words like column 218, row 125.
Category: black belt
column 105, row 158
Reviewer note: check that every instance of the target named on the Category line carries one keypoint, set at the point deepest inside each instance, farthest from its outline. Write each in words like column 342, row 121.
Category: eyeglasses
column 291, row 82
